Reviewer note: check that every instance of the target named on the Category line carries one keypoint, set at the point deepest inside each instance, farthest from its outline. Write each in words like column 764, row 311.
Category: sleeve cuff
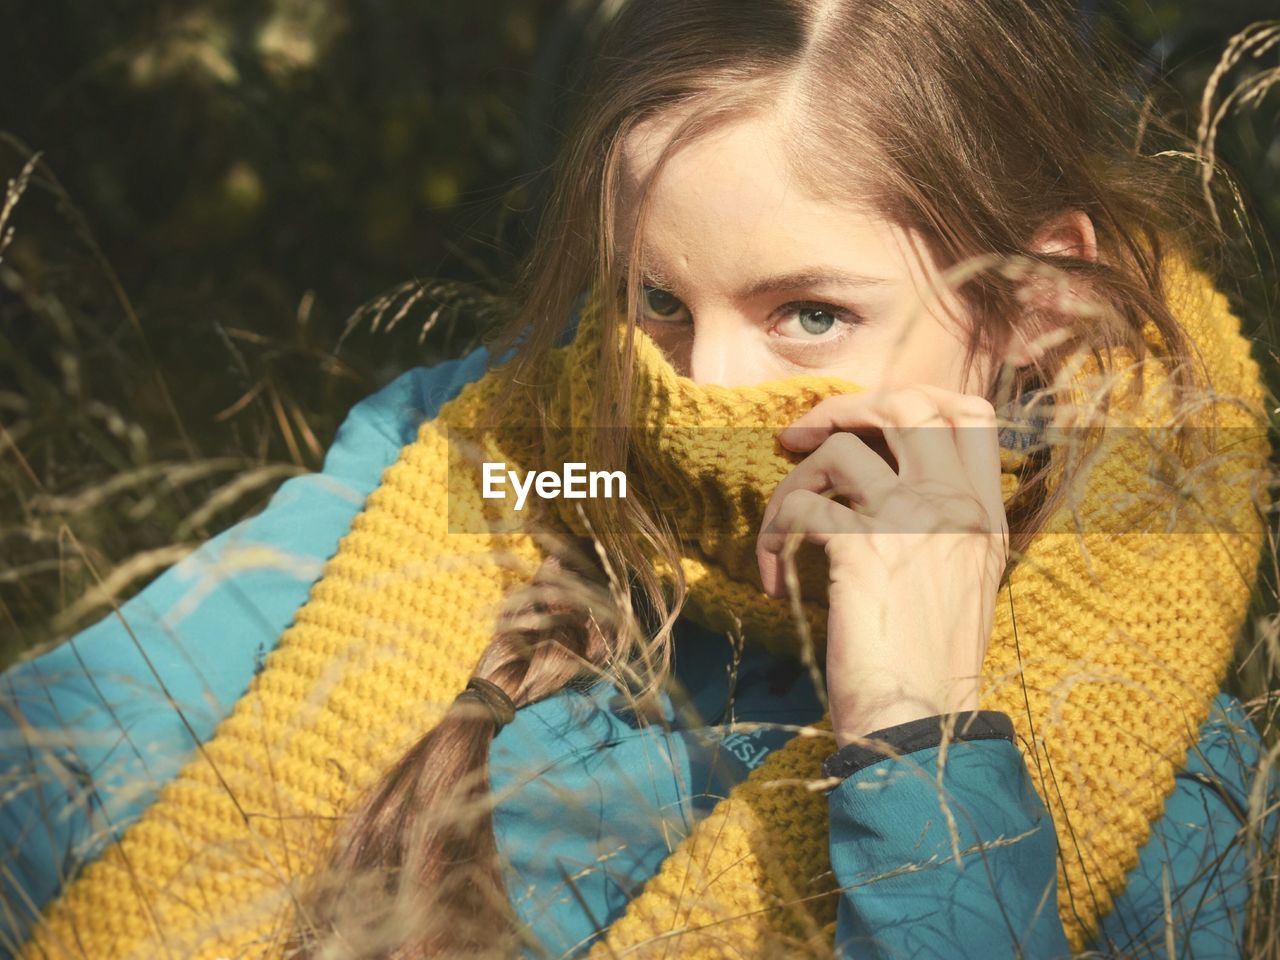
column 918, row 735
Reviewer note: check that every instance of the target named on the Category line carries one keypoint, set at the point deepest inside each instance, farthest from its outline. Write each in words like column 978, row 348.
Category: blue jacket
column 591, row 801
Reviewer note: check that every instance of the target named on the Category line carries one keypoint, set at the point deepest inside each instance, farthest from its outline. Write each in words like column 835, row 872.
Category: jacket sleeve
column 942, row 855
column 1220, row 819
column 92, row 729
column 895, row 828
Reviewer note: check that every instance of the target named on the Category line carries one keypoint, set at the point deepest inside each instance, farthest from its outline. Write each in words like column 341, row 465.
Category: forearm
column 943, row 851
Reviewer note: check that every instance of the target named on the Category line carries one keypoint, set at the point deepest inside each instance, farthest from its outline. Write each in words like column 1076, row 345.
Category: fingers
column 809, row 516
column 843, row 466
column 913, row 425
column 977, row 439
column 978, row 444
column 968, row 450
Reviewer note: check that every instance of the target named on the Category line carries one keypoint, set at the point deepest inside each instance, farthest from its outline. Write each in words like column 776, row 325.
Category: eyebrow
column 805, row 277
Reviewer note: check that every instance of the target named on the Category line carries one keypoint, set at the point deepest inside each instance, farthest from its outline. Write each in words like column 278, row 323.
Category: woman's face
column 748, row 279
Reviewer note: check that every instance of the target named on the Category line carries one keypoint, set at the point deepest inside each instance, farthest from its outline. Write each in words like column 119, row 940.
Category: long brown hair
column 970, row 121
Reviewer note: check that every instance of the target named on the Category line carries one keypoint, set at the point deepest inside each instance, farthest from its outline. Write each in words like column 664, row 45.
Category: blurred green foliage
column 224, row 183
column 1181, row 45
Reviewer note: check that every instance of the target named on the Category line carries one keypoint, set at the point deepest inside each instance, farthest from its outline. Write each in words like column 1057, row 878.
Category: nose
column 717, row 353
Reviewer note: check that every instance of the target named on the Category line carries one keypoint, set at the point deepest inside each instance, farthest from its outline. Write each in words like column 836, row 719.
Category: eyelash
column 847, row 319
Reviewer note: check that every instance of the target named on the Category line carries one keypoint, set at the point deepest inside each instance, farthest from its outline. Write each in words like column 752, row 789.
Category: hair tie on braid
column 493, row 697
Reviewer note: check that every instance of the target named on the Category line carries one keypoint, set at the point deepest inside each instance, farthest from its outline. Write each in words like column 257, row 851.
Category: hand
column 915, row 561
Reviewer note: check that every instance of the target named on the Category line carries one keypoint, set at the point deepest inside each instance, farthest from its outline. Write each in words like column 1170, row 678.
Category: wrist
column 856, row 725
column 915, row 735
column 850, row 732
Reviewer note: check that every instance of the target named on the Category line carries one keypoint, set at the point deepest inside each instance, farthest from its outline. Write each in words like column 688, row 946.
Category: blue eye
column 810, row 320
column 816, row 321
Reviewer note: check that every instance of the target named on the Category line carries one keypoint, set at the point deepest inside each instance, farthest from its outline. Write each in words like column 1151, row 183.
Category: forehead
column 729, row 199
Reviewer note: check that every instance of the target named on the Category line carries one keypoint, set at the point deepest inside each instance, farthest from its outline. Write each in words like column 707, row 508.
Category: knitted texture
column 1107, row 650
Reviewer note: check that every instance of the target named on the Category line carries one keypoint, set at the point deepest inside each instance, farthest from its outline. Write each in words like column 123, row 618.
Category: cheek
column 926, row 349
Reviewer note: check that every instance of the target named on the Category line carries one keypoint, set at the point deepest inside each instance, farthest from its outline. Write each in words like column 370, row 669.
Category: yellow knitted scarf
column 1107, row 651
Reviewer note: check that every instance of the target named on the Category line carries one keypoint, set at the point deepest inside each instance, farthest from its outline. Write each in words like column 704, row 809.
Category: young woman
column 878, row 656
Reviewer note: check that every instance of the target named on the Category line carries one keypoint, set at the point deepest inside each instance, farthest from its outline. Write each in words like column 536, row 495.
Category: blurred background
column 246, row 215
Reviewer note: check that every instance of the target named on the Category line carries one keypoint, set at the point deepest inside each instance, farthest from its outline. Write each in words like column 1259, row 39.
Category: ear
column 1068, row 234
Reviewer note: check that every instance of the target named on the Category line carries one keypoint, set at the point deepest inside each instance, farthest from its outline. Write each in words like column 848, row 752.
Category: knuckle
column 910, row 406
column 977, row 408
column 896, row 405
column 920, row 395
column 794, row 502
column 842, row 445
